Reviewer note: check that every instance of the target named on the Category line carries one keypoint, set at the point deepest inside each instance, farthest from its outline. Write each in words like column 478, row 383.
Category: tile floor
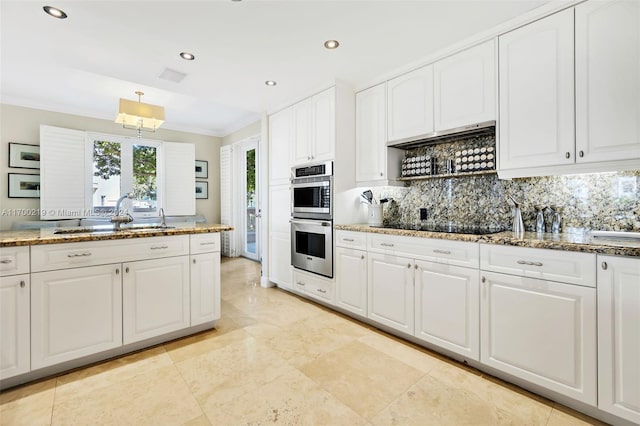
column 275, row 358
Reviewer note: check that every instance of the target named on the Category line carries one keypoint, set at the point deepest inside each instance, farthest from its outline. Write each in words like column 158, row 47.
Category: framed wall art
column 24, row 186
column 24, row 156
column 202, row 190
column 202, row 169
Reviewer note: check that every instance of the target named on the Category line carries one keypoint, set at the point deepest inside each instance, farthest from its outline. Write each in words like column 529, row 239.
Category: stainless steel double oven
column 312, row 218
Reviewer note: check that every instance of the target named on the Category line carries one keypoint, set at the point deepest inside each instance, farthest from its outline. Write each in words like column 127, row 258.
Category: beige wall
column 22, row 125
column 244, row 133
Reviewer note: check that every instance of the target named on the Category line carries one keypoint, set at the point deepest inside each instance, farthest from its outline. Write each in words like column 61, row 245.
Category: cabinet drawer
column 204, row 243
column 314, row 286
column 552, row 265
column 14, row 260
column 458, row 253
column 351, row 239
column 70, row 255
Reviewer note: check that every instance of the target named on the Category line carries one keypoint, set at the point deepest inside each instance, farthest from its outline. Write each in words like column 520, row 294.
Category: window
column 122, row 165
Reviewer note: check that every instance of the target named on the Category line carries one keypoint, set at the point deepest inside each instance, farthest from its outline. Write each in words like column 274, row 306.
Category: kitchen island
column 74, row 296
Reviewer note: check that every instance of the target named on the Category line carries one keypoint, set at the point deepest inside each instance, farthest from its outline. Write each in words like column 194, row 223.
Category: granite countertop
column 29, row 237
column 581, row 242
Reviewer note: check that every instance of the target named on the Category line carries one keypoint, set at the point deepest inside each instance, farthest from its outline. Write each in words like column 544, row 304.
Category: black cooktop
column 454, row 229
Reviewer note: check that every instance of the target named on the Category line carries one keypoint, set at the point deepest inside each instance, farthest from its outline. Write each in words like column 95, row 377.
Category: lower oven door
column 312, row 246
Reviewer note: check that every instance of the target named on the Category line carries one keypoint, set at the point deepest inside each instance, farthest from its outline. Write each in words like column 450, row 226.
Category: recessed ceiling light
column 270, row 83
column 187, row 56
column 55, row 12
column 331, row 44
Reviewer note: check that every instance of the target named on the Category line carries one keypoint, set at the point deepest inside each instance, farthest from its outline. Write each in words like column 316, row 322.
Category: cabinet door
column 619, row 337
column 351, row 280
column 537, row 94
column 607, row 80
column 74, row 313
column 465, row 87
column 155, row 297
column 410, row 105
column 205, row 288
column 390, row 291
column 540, row 331
column 447, row 307
column 303, row 132
column 324, row 125
column 279, row 235
column 371, row 134
column 280, row 141
column 14, row 325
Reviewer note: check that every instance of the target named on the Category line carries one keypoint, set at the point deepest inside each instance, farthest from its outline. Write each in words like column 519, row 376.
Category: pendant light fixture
column 140, row 116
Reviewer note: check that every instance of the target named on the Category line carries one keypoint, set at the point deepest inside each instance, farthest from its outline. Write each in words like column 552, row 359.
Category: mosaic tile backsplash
column 602, row 201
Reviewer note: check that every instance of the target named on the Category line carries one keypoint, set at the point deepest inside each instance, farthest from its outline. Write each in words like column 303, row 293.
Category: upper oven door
column 311, row 199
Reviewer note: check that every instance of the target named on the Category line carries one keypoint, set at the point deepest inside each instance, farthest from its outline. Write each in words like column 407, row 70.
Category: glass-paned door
column 249, row 200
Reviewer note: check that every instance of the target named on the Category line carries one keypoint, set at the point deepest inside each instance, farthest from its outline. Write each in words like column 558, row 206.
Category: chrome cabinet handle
column 604, row 265
column 415, row 266
column 362, row 256
column 348, row 239
column 22, row 284
column 159, row 247
column 301, row 283
column 409, row 265
column 386, row 244
column 208, row 244
column 321, row 291
column 126, row 269
column 6, row 261
column 194, row 261
column 567, row 155
column 79, row 254
column 526, row 262
column 117, row 271
column 581, row 153
column 441, row 251
column 483, row 279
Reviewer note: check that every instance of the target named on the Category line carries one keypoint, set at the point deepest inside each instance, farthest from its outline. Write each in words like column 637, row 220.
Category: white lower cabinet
column 14, row 325
column 540, row 331
column 619, row 337
column 155, row 297
column 447, row 307
column 205, row 287
column 390, row 291
column 74, row 313
column 351, row 280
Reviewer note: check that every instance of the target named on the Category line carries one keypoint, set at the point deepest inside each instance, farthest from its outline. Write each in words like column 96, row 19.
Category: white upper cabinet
column 465, row 87
column 324, row 125
column 314, row 128
column 302, row 117
column 280, row 141
column 371, row 134
column 536, row 116
column 410, row 105
column 607, row 80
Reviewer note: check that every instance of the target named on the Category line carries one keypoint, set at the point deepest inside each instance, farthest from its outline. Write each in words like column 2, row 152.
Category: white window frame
column 126, row 179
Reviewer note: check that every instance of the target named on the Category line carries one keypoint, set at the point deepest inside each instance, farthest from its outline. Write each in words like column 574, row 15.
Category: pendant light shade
column 140, row 116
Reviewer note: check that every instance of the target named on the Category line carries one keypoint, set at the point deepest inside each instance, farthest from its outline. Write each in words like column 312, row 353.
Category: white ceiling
column 106, row 50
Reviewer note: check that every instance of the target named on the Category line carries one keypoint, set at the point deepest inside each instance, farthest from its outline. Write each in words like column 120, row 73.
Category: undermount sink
column 109, row 228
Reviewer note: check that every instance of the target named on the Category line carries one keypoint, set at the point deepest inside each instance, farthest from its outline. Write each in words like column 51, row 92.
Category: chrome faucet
column 118, row 218
column 163, row 222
